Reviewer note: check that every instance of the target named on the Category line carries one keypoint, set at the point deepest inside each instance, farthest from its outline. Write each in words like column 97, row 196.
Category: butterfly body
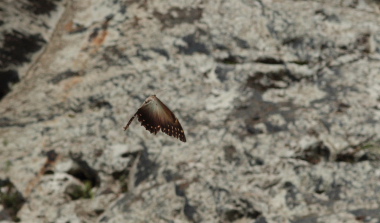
column 155, row 116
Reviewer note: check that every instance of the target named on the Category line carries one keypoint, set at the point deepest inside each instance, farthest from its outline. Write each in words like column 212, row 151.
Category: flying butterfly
column 155, row 116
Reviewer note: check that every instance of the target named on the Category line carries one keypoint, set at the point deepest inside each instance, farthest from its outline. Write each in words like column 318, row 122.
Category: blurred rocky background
column 279, row 100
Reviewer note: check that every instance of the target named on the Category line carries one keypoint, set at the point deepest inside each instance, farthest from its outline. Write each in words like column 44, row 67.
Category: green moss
column 86, row 190
column 80, row 192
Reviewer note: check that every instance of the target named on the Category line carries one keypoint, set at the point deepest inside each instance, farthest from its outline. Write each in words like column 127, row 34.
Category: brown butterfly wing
column 156, row 116
column 172, row 128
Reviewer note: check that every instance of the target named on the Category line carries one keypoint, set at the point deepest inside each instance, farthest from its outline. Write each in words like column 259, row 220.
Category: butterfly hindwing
column 173, row 127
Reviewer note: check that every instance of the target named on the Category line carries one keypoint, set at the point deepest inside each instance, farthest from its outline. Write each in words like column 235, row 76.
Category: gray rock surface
column 279, row 100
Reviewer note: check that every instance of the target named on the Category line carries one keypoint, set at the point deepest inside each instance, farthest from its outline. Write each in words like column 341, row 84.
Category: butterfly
column 155, row 116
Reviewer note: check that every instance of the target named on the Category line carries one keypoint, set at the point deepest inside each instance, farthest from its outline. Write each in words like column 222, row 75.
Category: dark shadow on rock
column 124, row 175
column 366, row 215
column 65, row 75
column 306, row 219
column 7, row 78
column 41, row 7
column 231, row 60
column 51, row 159
column 242, row 208
column 18, row 46
column 84, row 172
column 261, row 81
column 176, row 16
column 170, row 176
column 315, row 153
column 145, row 167
column 231, row 155
column 97, row 102
column 291, row 197
column 189, row 210
column 365, row 150
column 11, row 200
column 269, row 60
column 255, row 110
column 193, row 45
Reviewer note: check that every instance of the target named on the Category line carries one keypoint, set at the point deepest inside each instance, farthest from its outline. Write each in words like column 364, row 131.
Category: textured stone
column 279, row 101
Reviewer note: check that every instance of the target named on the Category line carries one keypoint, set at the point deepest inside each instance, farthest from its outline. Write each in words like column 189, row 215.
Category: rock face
column 279, row 100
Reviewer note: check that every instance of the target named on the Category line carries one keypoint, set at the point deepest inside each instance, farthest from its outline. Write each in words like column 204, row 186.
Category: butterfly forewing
column 155, row 116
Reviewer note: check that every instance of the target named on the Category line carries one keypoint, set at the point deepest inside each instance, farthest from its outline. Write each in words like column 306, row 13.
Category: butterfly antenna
column 130, row 121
